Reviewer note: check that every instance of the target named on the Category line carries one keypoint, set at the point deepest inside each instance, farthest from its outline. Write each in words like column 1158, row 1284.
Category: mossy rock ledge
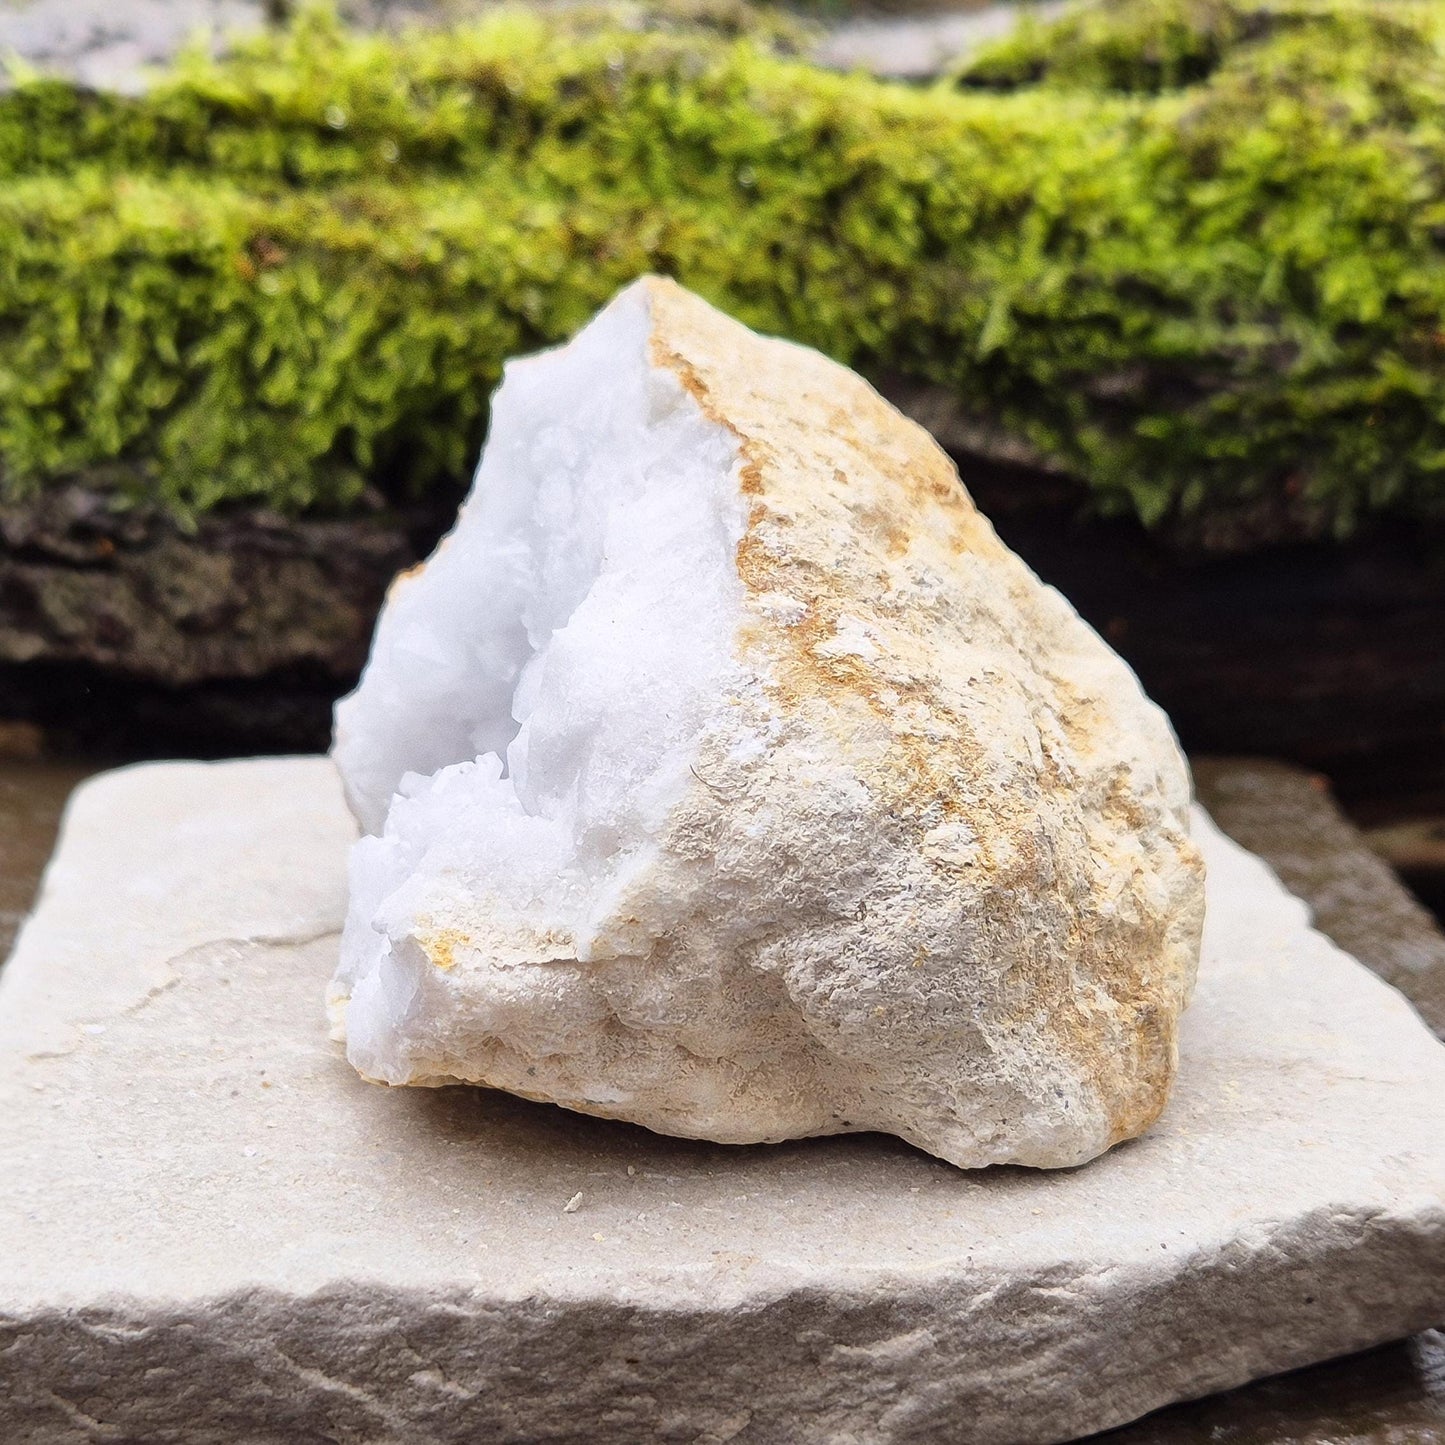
column 1172, row 269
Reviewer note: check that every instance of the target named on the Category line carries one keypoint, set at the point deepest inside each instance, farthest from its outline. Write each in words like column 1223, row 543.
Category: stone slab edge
column 958, row 1356
column 360, row 1363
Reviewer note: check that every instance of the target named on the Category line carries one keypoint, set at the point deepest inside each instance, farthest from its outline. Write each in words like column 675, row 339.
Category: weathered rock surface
column 237, row 595
column 1288, row 817
column 124, row 633
column 730, row 777
column 211, row 1229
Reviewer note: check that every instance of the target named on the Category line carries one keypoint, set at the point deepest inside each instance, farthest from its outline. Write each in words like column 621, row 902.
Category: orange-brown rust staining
column 402, row 578
column 933, row 785
column 755, row 560
column 875, row 494
column 970, row 531
column 884, row 525
column 1078, row 715
column 881, row 638
column 803, row 671
column 1138, row 1108
column 441, row 945
column 805, row 663
column 1139, row 1093
column 1133, row 1063
column 1122, row 806
column 666, row 357
column 1127, row 1054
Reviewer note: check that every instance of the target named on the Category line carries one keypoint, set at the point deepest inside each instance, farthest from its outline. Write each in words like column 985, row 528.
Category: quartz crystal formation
column 723, row 772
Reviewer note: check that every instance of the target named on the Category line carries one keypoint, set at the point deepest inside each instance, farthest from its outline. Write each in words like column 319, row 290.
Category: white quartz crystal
column 723, row 772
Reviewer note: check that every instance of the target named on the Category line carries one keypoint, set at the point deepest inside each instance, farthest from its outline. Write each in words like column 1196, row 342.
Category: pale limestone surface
column 211, row 1229
column 723, row 772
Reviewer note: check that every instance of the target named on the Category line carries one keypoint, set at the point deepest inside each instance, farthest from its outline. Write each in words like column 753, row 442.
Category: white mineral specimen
column 725, row 773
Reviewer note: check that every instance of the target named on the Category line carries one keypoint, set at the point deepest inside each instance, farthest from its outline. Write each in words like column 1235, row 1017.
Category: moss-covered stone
column 1188, row 248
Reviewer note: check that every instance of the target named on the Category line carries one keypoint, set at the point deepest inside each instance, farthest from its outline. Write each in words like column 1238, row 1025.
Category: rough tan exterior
column 932, row 875
column 989, row 707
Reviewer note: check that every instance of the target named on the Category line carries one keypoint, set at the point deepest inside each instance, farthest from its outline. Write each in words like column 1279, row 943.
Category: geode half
column 723, row 772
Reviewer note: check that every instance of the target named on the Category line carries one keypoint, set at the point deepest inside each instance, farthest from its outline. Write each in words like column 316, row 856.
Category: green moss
column 1192, row 250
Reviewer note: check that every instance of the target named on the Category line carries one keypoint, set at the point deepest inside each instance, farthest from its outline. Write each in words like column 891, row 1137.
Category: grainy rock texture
column 730, row 777
column 212, row 1230
column 237, row 595
column 1288, row 817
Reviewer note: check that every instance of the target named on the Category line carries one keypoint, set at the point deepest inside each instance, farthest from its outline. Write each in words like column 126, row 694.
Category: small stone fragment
column 724, row 773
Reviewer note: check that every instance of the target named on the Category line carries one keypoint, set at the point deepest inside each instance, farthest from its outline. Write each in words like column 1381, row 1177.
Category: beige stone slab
column 1287, row 816
column 210, row 1229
